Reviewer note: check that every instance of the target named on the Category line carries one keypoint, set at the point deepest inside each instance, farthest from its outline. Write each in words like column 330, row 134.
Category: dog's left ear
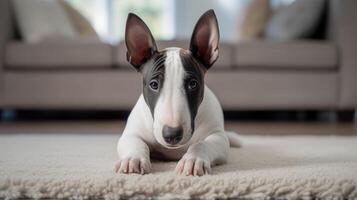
column 205, row 39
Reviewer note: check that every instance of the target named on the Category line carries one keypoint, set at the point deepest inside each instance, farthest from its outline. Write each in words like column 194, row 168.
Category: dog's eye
column 193, row 84
column 154, row 85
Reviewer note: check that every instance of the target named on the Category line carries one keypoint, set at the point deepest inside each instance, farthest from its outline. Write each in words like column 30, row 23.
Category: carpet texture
column 79, row 166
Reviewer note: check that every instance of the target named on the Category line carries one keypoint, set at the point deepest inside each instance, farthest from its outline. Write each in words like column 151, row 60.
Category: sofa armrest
column 346, row 33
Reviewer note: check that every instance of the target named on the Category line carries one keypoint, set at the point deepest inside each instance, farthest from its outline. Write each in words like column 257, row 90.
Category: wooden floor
column 245, row 128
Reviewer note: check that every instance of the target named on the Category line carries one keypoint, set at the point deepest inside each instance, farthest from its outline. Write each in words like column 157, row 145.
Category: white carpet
column 80, row 166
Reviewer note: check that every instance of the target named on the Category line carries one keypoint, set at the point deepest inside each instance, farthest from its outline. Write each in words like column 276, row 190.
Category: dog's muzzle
column 172, row 135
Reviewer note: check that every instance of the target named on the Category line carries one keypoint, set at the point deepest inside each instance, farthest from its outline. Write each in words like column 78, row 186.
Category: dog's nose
column 172, row 135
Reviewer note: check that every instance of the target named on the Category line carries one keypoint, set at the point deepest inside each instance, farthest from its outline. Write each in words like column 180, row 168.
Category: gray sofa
column 259, row 75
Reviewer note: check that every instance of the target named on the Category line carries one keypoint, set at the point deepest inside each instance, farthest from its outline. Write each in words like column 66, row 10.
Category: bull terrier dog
column 177, row 117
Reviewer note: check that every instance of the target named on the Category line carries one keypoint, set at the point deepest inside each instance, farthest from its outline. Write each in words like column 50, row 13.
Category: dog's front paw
column 195, row 166
column 133, row 165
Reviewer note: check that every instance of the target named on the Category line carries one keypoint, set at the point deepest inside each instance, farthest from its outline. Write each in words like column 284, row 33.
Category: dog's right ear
column 139, row 41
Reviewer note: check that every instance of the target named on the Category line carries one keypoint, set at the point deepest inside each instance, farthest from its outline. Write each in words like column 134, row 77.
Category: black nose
column 172, row 135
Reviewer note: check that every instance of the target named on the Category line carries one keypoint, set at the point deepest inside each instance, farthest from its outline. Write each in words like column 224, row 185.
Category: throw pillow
column 80, row 23
column 42, row 20
column 298, row 20
column 254, row 18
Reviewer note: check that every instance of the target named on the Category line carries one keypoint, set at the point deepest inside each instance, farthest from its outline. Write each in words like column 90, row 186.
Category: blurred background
column 170, row 19
column 279, row 59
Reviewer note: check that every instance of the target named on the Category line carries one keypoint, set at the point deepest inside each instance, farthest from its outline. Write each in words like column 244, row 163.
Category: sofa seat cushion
column 54, row 55
column 224, row 61
column 290, row 55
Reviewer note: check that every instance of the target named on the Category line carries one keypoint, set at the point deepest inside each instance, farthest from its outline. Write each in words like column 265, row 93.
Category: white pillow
column 298, row 20
column 41, row 20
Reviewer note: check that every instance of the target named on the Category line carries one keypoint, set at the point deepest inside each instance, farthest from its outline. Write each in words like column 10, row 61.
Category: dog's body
column 177, row 117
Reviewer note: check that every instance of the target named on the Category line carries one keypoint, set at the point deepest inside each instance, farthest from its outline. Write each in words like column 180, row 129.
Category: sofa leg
column 345, row 115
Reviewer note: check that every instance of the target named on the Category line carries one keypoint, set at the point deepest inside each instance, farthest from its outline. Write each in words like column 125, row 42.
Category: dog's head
column 173, row 79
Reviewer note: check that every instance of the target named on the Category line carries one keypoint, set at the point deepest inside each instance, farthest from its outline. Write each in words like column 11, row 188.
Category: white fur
column 142, row 136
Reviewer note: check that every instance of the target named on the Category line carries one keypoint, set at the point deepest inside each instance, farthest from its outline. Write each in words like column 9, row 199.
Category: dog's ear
column 205, row 39
column 139, row 41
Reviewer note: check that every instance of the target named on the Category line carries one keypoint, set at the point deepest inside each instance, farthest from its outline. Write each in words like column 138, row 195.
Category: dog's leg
column 200, row 156
column 134, row 155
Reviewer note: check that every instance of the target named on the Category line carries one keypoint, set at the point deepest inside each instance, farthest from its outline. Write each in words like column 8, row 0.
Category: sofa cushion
column 85, row 54
column 296, row 54
column 224, row 61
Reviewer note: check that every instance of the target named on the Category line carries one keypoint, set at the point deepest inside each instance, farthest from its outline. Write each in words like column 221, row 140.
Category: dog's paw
column 133, row 165
column 193, row 166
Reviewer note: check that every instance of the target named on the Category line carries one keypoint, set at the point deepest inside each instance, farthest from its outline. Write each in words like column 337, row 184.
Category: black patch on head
column 194, row 74
column 153, row 73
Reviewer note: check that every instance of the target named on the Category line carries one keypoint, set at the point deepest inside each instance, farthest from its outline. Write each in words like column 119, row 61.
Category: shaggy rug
column 79, row 166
